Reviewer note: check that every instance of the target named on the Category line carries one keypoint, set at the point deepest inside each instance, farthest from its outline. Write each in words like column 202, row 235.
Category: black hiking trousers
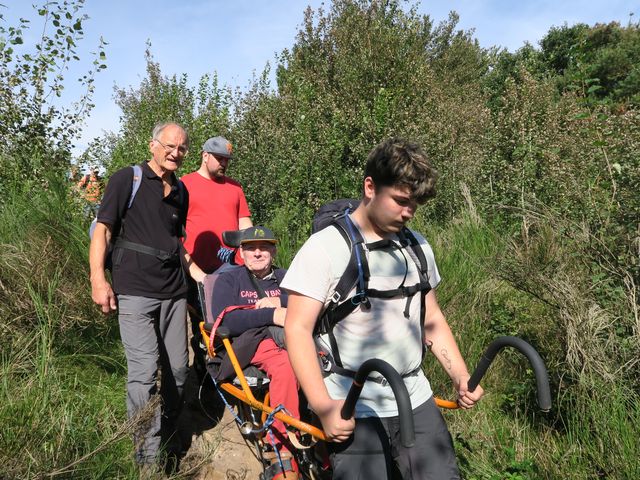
column 374, row 452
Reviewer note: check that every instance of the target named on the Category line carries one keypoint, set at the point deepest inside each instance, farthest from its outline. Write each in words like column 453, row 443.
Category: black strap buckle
column 360, row 298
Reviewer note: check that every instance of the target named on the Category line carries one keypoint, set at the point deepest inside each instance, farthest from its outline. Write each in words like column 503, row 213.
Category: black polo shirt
column 152, row 220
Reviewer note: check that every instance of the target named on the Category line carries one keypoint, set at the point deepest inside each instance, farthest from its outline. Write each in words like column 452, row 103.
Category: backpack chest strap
column 401, row 291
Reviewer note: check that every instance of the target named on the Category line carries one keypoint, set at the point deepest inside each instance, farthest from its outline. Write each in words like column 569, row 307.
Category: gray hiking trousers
column 374, row 452
column 154, row 335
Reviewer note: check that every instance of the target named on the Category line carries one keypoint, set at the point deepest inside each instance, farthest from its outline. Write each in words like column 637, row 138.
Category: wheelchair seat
column 255, row 377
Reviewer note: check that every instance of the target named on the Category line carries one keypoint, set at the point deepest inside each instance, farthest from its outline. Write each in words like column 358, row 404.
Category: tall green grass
column 535, row 285
column 63, row 372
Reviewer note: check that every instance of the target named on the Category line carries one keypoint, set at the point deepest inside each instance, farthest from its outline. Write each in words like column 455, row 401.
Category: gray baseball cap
column 218, row 146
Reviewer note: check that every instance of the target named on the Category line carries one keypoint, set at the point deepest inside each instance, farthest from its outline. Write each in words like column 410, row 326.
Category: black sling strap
column 254, row 281
column 162, row 255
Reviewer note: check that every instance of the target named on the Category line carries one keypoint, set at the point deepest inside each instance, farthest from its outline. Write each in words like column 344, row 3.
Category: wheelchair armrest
column 222, row 332
column 207, row 327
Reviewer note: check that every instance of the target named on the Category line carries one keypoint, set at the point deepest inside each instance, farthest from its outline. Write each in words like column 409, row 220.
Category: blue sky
column 236, row 38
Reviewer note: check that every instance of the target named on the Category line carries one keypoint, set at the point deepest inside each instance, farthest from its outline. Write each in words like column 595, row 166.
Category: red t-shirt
column 214, row 206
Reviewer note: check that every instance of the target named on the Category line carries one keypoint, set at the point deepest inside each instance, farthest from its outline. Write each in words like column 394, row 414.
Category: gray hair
column 159, row 128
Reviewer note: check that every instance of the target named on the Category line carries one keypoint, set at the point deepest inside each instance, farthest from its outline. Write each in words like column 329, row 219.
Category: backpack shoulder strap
column 135, row 182
column 182, row 194
column 338, row 309
column 418, row 256
column 116, row 238
column 407, row 236
column 182, row 191
column 356, row 273
column 357, row 270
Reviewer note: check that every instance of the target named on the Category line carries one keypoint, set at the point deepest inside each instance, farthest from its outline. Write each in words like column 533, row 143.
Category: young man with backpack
column 391, row 313
column 138, row 232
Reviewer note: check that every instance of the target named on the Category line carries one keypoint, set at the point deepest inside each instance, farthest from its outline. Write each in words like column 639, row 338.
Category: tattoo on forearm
column 445, row 356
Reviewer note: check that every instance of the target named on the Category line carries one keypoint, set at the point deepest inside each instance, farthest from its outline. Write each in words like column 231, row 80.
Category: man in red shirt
column 216, row 203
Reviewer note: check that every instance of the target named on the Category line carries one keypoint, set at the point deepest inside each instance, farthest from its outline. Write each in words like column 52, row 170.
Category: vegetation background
column 535, row 226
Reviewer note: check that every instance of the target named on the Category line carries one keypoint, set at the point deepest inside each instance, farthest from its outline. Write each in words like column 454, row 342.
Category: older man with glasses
column 148, row 263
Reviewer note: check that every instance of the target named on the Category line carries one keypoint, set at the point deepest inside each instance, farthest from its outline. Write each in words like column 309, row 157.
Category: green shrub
column 37, row 131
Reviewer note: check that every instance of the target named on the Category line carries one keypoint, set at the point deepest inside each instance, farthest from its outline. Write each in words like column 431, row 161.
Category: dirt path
column 221, row 454
column 216, row 449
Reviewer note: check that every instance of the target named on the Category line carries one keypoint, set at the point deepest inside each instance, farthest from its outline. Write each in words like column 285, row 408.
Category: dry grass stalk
column 125, row 429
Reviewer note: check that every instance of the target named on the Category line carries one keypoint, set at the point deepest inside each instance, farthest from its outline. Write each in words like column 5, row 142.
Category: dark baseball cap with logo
column 218, row 146
column 257, row 234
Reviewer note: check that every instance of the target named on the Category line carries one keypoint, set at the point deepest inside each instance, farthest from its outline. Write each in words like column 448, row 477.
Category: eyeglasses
column 182, row 149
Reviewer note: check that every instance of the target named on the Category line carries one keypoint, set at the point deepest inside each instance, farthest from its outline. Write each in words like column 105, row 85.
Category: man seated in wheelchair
column 257, row 334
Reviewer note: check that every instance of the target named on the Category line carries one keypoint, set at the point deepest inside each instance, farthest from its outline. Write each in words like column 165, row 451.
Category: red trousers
column 283, row 386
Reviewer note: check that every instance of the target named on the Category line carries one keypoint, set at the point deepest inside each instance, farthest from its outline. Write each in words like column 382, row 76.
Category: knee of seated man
column 281, row 360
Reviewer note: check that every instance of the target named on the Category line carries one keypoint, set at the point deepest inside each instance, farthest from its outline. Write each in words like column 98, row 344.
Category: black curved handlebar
column 407, row 432
column 542, row 378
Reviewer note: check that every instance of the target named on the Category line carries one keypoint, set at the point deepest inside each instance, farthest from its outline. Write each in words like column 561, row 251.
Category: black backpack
column 328, row 212
column 357, row 274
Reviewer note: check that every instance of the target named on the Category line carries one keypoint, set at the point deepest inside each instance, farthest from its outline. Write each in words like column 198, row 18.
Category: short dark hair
column 402, row 164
